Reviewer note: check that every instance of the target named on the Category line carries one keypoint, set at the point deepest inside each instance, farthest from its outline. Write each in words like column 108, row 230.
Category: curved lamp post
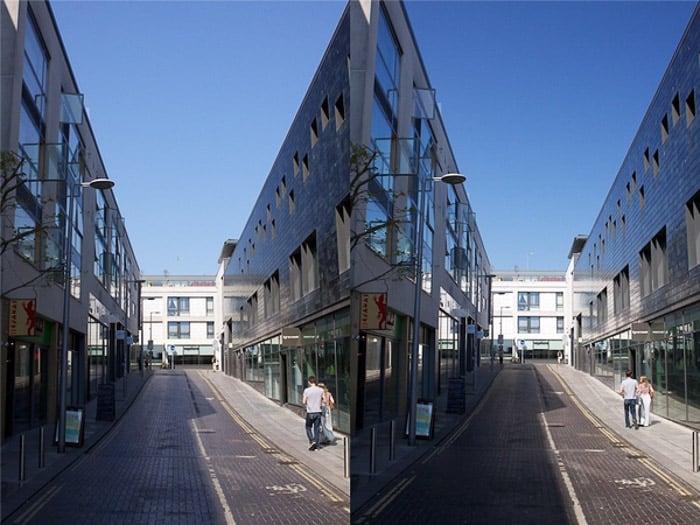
column 97, row 184
column 448, row 178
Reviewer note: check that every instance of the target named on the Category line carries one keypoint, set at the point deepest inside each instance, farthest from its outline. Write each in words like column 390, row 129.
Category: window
column 210, row 330
column 292, row 206
column 692, row 219
column 653, row 264
column 210, row 305
column 528, row 301
column 305, row 167
column 309, row 265
column 178, row 330
column 690, row 108
column 178, row 306
column 602, row 306
column 272, row 295
column 676, row 108
column 560, row 325
column 621, row 290
column 655, row 162
column 252, row 310
column 325, row 113
column 313, row 130
column 339, row 112
column 528, row 325
column 560, row 301
column 342, row 228
column 295, row 164
column 664, row 129
column 646, row 160
column 295, row 292
column 641, row 196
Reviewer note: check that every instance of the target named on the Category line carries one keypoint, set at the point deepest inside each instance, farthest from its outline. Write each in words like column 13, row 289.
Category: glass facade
column 323, row 350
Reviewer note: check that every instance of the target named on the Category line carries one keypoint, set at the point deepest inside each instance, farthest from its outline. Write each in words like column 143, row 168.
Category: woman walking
column 646, row 394
column 328, row 404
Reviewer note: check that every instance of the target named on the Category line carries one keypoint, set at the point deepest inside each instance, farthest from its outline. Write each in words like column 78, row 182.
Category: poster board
column 425, row 420
column 75, row 427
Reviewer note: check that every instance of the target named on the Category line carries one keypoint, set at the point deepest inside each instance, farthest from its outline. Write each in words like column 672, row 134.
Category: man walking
column 628, row 390
column 312, row 397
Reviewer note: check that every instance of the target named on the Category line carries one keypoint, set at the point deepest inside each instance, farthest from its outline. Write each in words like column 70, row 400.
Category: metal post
column 695, row 451
column 21, row 458
column 373, row 451
column 42, row 461
column 416, row 317
column 392, row 440
column 346, row 457
column 63, row 372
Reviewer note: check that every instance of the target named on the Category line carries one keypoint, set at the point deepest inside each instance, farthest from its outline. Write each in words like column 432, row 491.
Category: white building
column 529, row 312
column 179, row 316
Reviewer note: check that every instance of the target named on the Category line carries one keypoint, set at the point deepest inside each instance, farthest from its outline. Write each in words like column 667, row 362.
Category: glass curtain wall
column 667, row 351
column 324, row 353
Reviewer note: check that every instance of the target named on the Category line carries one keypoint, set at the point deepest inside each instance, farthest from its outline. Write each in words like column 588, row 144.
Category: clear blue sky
column 190, row 102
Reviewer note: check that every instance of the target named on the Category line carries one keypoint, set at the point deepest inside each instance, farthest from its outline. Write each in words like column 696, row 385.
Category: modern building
column 69, row 279
column 528, row 315
column 179, row 318
column 351, row 239
column 635, row 278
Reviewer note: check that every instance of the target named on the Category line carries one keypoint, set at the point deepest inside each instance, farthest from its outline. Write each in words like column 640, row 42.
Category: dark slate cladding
column 665, row 194
column 315, row 200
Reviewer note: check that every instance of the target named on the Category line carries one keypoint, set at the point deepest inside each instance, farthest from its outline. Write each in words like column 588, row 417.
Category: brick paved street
column 180, row 455
column 528, row 454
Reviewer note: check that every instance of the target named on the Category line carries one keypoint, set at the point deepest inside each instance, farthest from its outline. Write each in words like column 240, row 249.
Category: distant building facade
column 636, row 275
column 530, row 312
column 322, row 279
column 45, row 130
column 179, row 320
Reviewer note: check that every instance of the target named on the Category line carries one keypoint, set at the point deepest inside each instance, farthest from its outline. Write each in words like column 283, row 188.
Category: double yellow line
column 270, row 447
column 680, row 489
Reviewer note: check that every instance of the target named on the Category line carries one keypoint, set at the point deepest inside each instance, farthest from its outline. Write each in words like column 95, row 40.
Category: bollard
column 695, row 451
column 41, row 447
column 346, row 457
column 373, row 451
column 21, row 458
column 392, row 440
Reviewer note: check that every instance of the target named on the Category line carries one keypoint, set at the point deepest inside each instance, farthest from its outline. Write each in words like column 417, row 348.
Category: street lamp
column 126, row 319
column 448, row 178
column 500, row 326
column 98, row 184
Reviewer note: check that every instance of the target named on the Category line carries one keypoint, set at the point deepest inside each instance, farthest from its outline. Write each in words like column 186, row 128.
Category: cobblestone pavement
column 180, row 455
column 530, row 454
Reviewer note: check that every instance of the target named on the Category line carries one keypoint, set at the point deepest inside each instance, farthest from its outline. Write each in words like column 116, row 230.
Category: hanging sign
column 373, row 311
column 22, row 317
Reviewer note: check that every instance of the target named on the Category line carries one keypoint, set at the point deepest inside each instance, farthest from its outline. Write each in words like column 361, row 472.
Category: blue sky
column 191, row 100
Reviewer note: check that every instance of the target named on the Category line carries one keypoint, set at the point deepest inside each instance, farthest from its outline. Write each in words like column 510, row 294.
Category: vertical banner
column 22, row 317
column 374, row 311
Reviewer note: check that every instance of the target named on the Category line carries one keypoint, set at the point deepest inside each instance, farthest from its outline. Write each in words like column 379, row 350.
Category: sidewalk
column 284, row 428
column 16, row 493
column 668, row 443
column 365, row 483
column 277, row 424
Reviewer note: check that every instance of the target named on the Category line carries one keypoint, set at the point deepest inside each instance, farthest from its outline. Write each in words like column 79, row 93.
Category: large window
column 528, row 325
column 528, row 301
column 178, row 306
column 178, row 330
column 621, row 290
column 653, row 264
